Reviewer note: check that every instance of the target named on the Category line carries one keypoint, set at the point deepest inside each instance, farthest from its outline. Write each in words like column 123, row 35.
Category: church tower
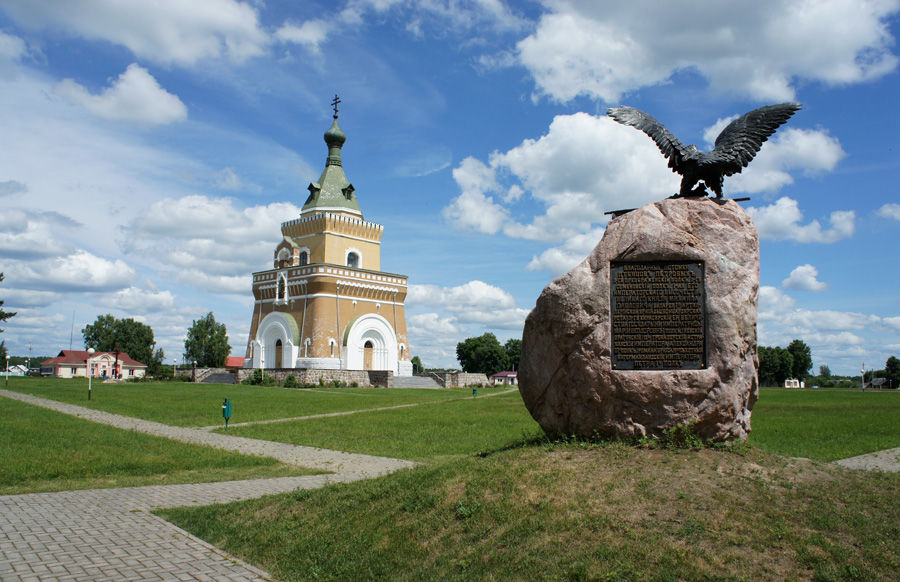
column 326, row 303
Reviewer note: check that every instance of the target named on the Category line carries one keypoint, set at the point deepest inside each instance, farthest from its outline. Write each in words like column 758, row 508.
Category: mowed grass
column 825, row 425
column 575, row 512
column 188, row 404
column 426, row 432
column 44, row 450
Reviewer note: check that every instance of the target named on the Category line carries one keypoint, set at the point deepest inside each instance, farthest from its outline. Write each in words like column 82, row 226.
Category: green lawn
column 825, row 424
column 187, row 404
column 44, row 450
column 575, row 512
column 464, row 426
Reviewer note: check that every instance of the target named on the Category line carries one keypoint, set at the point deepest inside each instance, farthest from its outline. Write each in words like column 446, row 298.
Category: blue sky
column 152, row 148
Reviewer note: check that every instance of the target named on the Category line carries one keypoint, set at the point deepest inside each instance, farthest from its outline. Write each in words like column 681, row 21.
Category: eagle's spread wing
column 740, row 141
column 667, row 143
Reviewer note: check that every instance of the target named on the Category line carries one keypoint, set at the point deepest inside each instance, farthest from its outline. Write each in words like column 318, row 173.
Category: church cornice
column 334, row 223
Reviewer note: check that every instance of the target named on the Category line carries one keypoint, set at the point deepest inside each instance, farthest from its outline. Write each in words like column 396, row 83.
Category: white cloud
column 447, row 315
column 10, row 187
column 558, row 260
column 311, row 34
column 219, row 250
column 774, row 301
column 134, row 97
column 228, row 179
column 577, row 171
column 16, row 298
column 139, row 301
column 163, row 31
column 809, row 151
column 804, row 278
column 25, row 237
column 890, row 210
column 463, row 299
column 781, row 221
column 473, row 208
column 760, row 49
column 80, row 271
column 473, row 303
column 12, row 49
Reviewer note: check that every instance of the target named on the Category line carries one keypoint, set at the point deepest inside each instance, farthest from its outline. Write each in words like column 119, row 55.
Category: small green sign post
column 226, row 411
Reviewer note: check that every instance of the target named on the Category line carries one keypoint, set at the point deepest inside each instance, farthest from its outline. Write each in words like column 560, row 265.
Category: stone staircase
column 414, row 382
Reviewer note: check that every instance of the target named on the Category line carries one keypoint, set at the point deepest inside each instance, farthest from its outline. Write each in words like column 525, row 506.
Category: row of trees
column 485, row 354
column 777, row 364
column 206, row 342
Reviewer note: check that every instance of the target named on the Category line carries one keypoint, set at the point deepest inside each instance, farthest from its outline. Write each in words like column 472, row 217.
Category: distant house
column 507, row 378
column 875, row 383
column 794, row 383
column 74, row 364
column 17, row 370
column 234, row 362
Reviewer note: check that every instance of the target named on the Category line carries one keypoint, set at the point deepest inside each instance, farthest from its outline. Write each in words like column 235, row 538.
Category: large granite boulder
column 574, row 381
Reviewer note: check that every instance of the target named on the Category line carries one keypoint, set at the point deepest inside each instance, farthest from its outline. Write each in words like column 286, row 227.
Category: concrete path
column 887, row 461
column 109, row 534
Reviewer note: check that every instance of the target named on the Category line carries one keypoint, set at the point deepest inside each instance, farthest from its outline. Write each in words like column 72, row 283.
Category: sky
column 152, row 148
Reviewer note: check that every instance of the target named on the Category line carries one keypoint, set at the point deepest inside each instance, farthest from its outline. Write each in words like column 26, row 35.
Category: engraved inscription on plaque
column 658, row 315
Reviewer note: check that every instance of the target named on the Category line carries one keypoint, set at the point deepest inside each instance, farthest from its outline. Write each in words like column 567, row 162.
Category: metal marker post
column 90, row 372
column 226, row 411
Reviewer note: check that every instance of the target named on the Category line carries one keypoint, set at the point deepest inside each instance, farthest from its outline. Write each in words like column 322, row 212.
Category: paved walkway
column 110, row 534
column 887, row 461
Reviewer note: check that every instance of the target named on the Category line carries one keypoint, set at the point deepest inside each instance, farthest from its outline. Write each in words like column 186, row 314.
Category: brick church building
column 326, row 303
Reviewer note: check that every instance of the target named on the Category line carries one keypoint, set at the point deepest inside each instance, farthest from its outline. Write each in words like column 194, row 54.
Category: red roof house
column 234, row 362
column 74, row 364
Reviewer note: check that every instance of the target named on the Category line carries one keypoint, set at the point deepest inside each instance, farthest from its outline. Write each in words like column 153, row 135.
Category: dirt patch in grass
column 576, row 512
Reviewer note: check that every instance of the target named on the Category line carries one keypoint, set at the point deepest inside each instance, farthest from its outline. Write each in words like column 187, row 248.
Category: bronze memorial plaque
column 658, row 315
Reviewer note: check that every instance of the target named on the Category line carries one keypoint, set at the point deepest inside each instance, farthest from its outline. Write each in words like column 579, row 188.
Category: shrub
column 290, row 381
column 259, row 378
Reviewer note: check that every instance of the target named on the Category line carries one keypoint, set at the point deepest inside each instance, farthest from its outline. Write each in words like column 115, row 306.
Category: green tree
column 825, row 372
column 481, row 354
column 108, row 334
column 155, row 365
column 775, row 365
column 802, row 359
column 418, row 368
column 207, row 342
column 4, row 315
column 892, row 372
column 513, row 349
column 3, row 354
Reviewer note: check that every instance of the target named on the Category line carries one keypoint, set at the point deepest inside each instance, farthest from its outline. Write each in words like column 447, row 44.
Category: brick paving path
column 109, row 534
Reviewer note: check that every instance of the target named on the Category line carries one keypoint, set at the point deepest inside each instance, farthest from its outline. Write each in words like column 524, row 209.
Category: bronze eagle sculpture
column 735, row 147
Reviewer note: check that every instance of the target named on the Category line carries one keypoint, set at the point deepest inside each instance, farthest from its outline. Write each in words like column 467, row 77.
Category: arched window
column 304, row 258
column 284, row 258
column 281, row 290
column 353, row 260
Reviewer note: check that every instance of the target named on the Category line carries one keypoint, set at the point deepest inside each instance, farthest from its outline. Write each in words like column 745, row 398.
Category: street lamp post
column 174, row 367
column 90, row 372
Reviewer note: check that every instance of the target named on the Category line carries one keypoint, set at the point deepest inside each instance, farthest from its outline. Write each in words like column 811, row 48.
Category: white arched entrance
column 370, row 344
column 277, row 342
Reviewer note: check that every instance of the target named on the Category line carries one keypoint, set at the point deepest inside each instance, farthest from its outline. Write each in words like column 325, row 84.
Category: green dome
column 335, row 136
